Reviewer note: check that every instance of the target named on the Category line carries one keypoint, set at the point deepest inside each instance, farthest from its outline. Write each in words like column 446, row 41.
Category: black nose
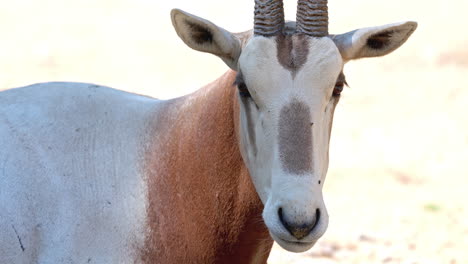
column 302, row 229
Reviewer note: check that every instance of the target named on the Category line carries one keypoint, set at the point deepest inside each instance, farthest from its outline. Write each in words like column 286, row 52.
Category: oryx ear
column 202, row 35
column 375, row 41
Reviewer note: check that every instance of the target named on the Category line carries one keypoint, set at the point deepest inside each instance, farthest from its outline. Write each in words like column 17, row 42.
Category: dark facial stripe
column 250, row 124
column 292, row 51
column 295, row 138
column 332, row 109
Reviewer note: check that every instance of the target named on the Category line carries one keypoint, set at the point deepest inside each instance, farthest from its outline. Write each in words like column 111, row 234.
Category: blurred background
column 397, row 185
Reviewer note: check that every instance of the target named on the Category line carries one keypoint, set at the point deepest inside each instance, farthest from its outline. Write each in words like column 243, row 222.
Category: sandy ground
column 396, row 189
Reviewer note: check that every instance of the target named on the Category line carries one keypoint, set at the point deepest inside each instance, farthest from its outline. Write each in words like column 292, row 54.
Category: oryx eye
column 243, row 90
column 338, row 89
column 241, row 86
column 340, row 83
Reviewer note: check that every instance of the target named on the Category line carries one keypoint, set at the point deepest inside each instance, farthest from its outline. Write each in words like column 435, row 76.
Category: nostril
column 280, row 216
column 316, row 218
column 299, row 230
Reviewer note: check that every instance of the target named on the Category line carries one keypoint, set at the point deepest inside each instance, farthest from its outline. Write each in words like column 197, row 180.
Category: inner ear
column 380, row 41
column 199, row 33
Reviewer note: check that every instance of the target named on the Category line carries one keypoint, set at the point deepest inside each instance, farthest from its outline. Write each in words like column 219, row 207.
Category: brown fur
column 203, row 207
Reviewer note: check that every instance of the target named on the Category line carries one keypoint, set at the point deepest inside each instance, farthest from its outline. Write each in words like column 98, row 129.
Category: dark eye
column 241, row 86
column 243, row 90
column 338, row 88
column 340, row 84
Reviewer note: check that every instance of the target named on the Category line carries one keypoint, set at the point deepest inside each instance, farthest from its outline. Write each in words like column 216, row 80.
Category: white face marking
column 293, row 199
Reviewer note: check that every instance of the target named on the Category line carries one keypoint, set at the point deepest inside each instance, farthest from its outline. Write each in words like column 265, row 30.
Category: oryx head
column 290, row 77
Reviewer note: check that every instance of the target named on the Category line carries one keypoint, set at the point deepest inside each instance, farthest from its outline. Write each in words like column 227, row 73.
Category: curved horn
column 312, row 17
column 269, row 17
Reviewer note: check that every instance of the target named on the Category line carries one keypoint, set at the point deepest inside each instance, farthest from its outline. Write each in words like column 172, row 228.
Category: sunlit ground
column 396, row 189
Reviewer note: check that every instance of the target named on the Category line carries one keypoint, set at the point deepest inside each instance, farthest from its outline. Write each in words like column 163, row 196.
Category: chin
column 293, row 246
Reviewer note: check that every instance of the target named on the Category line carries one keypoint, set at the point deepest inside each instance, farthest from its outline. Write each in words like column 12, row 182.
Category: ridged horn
column 268, row 17
column 312, row 17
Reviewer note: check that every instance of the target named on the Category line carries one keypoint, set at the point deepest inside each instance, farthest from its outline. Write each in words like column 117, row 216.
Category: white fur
column 71, row 208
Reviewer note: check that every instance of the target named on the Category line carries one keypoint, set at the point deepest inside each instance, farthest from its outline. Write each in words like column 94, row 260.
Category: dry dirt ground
column 397, row 186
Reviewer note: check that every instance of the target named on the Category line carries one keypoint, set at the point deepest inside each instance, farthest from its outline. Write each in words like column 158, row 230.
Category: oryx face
column 286, row 92
column 289, row 80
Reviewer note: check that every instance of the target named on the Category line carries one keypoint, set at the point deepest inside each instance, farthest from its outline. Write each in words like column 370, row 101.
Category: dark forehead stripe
column 295, row 138
column 292, row 51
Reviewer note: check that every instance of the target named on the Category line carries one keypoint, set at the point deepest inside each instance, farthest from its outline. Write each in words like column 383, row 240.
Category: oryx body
column 89, row 174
